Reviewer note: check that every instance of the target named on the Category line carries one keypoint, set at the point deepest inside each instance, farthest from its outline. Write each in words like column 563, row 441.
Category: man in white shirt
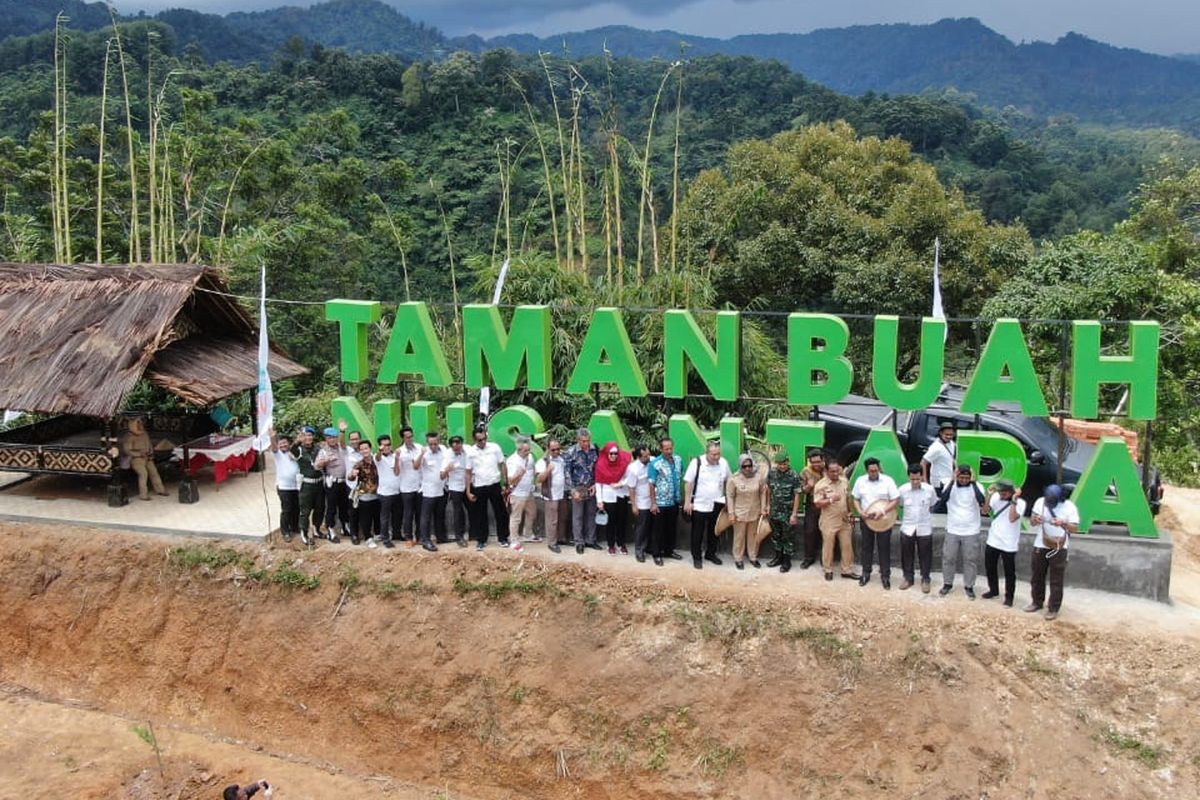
column 639, row 492
column 455, row 473
column 1003, row 539
column 522, row 508
column 551, row 477
column 703, row 498
column 917, row 499
column 353, row 457
column 389, row 493
column 487, row 485
column 287, row 485
column 1054, row 519
column 941, row 459
column 964, row 501
column 870, row 489
column 408, row 456
column 433, row 492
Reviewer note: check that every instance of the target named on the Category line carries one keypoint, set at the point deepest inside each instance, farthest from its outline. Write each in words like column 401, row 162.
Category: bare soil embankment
column 494, row 676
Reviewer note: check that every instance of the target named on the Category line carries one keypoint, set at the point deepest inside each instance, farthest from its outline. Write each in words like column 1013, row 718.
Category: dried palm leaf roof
column 75, row 339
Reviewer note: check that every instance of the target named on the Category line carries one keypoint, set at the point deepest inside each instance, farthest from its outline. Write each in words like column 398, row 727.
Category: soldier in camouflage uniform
column 785, row 489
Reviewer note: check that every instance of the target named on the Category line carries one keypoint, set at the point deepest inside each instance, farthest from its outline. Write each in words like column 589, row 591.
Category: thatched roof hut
column 75, row 339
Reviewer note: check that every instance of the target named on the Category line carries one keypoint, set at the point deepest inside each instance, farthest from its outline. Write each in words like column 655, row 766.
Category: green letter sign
column 975, row 446
column 684, row 342
column 889, row 390
column 414, row 348
column 1112, row 466
column 488, row 348
column 805, row 359
column 1005, row 351
column 353, row 317
column 607, row 357
column 1138, row 370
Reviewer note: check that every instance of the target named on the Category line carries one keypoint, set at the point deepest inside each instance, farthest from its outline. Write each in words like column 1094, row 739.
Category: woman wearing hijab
column 746, row 504
column 612, row 494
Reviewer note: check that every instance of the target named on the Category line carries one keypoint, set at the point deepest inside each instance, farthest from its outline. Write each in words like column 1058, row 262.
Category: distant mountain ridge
column 1075, row 75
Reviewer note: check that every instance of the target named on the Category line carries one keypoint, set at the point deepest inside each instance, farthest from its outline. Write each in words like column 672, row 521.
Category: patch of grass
column 350, row 579
column 287, row 575
column 591, row 603
column 659, row 744
column 824, row 642
column 734, row 624
column 1035, row 664
column 193, row 556
column 716, row 759
column 1147, row 753
column 495, row 590
column 518, row 694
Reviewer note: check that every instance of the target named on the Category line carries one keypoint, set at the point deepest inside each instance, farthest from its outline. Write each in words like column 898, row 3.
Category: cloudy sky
column 1161, row 26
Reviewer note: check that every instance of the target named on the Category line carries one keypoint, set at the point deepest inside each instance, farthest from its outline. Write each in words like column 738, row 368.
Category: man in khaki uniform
column 832, row 496
column 135, row 443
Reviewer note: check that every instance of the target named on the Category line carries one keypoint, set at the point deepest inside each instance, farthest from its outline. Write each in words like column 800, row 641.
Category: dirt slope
column 500, row 677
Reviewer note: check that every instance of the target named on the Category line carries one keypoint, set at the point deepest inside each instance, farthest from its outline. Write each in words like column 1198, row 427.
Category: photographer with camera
column 1054, row 519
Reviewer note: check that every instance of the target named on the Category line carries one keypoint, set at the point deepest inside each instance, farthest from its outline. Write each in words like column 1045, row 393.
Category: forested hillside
column 1094, row 81
column 704, row 182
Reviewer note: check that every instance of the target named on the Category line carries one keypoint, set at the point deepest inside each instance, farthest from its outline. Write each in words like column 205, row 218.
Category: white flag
column 266, row 398
column 938, row 311
column 485, row 394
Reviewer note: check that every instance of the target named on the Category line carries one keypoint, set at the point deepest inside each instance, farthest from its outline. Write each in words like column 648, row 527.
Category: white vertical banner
column 485, row 394
column 938, row 311
column 265, row 410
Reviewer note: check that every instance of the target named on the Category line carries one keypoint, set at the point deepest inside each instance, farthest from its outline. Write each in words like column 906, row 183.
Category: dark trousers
column 367, row 519
column 457, row 501
column 618, row 519
column 643, row 526
column 991, row 559
column 337, row 506
column 922, row 548
column 411, row 502
column 389, row 517
column 312, row 506
column 289, row 511
column 665, row 523
column 433, row 518
column 1056, row 569
column 868, row 542
column 704, row 537
column 488, row 496
column 812, row 533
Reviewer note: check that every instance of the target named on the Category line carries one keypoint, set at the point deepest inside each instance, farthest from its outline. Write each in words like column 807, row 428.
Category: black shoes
column 595, row 546
column 697, row 563
column 808, row 562
column 462, row 542
column 712, row 559
column 658, row 562
column 887, row 583
column 828, row 576
column 641, row 557
column 776, row 561
column 786, row 566
column 970, row 593
column 989, row 594
column 430, row 546
column 579, row 549
column 674, row 555
column 553, row 548
column 945, row 590
column 864, row 580
column 391, row 545
column 739, row 565
column 754, row 563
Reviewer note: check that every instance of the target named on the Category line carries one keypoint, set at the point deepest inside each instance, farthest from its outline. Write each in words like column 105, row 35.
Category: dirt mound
column 502, row 677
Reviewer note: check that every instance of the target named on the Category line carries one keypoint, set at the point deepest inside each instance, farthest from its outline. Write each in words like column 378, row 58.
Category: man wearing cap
column 312, row 490
column 963, row 501
column 813, row 472
column 917, row 498
column 487, row 481
column 580, row 462
column 1003, row 539
column 875, row 497
column 784, row 490
column 331, row 460
column 941, row 459
column 1054, row 519
column 832, row 496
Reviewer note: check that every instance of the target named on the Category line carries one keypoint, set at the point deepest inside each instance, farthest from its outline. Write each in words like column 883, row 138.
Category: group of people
column 424, row 494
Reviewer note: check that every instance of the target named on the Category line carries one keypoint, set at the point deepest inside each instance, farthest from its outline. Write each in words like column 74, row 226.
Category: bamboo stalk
column 577, row 150
column 450, row 252
column 135, row 236
column 562, row 161
column 645, row 198
column 229, row 197
column 152, row 161
column 100, row 157
column 675, row 176
column 55, row 188
column 537, row 132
